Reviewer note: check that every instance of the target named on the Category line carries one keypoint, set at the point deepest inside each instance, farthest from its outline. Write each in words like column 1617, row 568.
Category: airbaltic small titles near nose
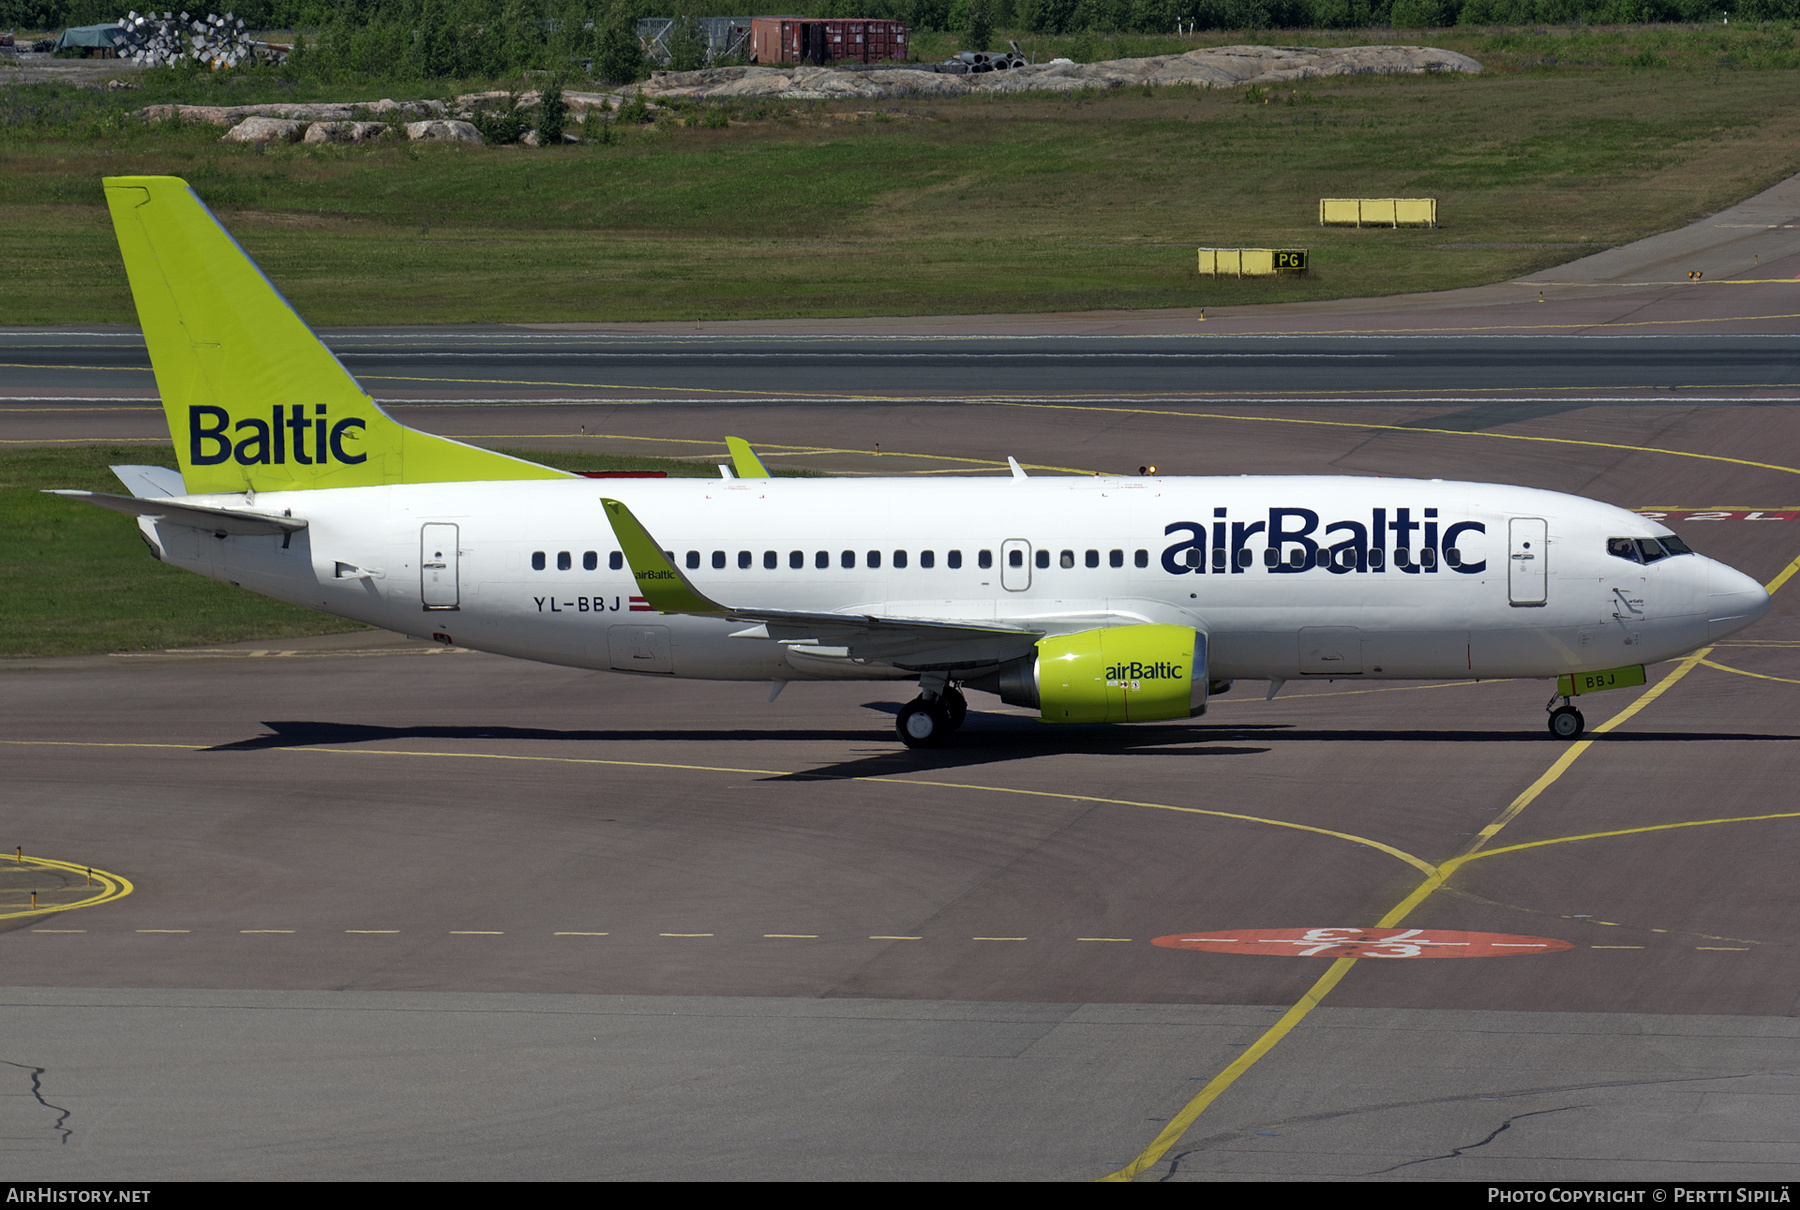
column 1103, row 599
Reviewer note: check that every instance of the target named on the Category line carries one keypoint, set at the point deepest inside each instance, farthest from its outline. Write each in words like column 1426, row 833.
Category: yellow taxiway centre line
column 84, row 440
column 1416, row 862
column 1401, row 428
column 1307, row 696
column 1787, row 573
column 770, row 451
column 1179, row 1124
column 1640, row 323
column 1761, row 676
column 113, row 886
column 1655, row 827
column 1366, row 842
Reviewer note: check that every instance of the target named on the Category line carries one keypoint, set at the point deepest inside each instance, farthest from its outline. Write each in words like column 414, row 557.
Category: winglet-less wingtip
column 1018, row 471
column 663, row 586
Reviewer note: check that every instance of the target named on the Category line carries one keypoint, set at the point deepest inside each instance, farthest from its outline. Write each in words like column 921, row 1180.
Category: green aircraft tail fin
column 254, row 400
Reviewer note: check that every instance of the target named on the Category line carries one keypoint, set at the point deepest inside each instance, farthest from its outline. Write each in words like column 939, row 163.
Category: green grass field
column 75, row 579
column 1565, row 146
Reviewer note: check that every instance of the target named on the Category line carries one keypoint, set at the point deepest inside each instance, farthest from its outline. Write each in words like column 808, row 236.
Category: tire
column 956, row 706
column 922, row 724
column 1566, row 722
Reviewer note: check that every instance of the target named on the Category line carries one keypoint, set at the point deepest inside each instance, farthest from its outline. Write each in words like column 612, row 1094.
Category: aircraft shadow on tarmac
column 987, row 739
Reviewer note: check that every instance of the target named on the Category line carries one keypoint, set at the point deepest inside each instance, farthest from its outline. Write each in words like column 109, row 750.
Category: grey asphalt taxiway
column 381, row 908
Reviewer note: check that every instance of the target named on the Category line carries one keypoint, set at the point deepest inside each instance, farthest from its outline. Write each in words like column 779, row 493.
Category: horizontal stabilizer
column 150, row 482
column 212, row 520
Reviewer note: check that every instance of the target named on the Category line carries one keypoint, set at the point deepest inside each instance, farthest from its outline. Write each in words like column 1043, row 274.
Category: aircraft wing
column 905, row 642
column 213, row 520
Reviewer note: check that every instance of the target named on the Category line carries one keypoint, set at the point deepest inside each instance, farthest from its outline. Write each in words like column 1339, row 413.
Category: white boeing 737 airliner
column 1105, row 599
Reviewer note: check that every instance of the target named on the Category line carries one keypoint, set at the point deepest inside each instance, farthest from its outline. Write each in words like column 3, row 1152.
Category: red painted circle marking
column 1362, row 943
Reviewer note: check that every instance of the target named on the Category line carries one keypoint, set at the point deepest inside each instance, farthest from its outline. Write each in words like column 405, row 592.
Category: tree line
column 492, row 38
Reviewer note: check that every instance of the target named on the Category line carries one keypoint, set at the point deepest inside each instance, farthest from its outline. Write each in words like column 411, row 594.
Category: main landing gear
column 929, row 719
column 1565, row 720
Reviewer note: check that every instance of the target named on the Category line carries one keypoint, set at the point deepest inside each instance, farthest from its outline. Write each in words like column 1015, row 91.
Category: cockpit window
column 1646, row 550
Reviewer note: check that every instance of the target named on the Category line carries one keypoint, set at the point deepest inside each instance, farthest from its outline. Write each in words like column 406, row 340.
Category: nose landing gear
column 929, row 719
column 1565, row 720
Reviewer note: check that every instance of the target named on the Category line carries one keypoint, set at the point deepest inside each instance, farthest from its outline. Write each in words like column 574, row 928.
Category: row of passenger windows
column 797, row 559
column 1347, row 557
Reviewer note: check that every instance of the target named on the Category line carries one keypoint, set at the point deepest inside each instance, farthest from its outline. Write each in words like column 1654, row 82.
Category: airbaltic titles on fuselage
column 1290, row 545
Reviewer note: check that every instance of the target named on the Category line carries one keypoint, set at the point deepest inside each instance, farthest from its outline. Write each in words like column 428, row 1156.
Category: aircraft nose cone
column 1734, row 601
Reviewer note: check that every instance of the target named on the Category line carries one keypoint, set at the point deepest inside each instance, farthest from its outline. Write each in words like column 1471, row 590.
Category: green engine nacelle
column 1120, row 674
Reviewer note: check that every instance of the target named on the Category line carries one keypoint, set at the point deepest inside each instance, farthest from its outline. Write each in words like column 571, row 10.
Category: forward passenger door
column 1527, row 568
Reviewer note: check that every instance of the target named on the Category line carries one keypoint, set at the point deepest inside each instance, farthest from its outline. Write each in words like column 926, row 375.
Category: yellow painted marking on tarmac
column 1724, row 949
column 999, row 939
column 1367, row 842
column 1103, row 939
column 581, row 934
column 880, row 938
column 84, row 441
column 637, row 764
column 1787, row 573
column 1305, row 695
column 265, row 930
column 34, row 365
column 372, row 932
column 1390, row 850
column 1761, row 676
column 1619, row 947
column 1404, row 428
column 794, row 936
column 1641, row 323
column 111, row 886
column 59, row 930
column 475, row 933
column 1655, row 827
column 165, row 930
column 1178, row 1125
column 777, row 451
column 684, row 934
